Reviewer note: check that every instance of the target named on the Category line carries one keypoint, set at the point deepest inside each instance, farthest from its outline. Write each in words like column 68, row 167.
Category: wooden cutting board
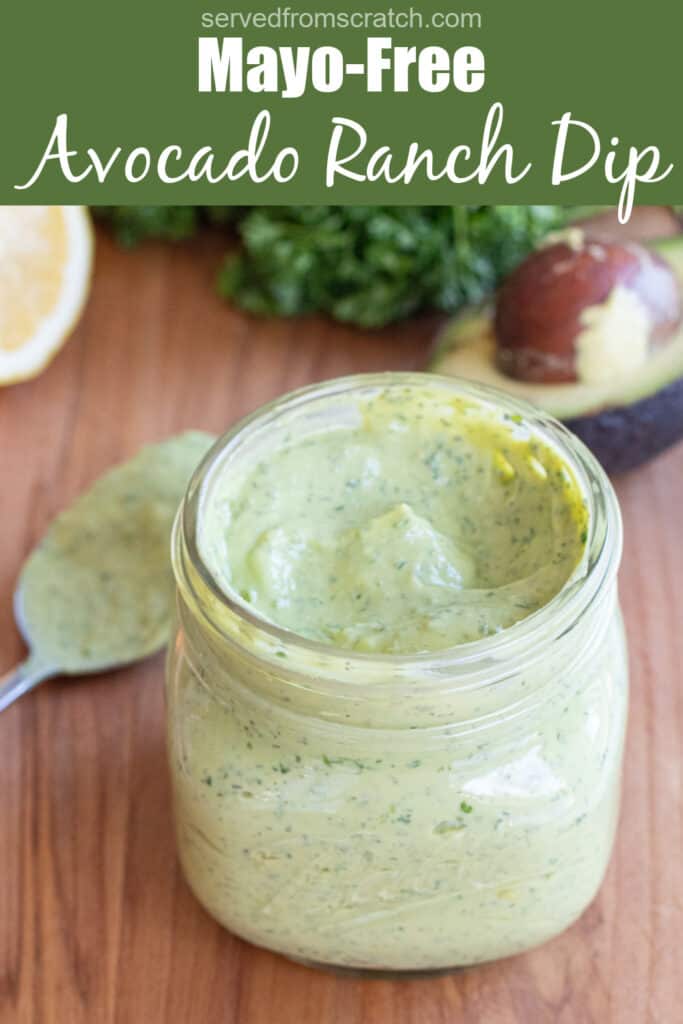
column 96, row 924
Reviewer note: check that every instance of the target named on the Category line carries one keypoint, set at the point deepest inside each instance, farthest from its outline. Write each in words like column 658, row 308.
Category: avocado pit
column 581, row 310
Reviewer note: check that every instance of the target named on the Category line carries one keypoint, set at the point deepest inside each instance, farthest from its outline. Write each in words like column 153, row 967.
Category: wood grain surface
column 96, row 924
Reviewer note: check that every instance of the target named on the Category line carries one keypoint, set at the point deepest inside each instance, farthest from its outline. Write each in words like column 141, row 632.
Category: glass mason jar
column 396, row 813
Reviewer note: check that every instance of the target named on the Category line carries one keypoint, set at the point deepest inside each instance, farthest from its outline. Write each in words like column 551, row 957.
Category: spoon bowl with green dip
column 97, row 592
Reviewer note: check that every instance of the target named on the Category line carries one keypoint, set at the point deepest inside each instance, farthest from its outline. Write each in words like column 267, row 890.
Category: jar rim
column 596, row 569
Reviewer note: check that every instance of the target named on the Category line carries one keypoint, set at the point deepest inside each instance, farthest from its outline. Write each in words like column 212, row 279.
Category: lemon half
column 46, row 255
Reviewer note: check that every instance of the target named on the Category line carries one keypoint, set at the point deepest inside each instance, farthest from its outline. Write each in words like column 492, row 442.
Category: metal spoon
column 30, row 672
column 38, row 666
column 97, row 592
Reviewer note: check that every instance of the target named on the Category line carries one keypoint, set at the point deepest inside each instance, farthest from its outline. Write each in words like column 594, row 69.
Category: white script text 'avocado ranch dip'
column 398, row 690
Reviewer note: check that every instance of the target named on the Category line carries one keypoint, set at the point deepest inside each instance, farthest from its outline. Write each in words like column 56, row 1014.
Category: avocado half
column 624, row 422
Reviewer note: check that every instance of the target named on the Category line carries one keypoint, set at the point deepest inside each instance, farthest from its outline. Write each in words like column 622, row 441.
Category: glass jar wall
column 396, row 813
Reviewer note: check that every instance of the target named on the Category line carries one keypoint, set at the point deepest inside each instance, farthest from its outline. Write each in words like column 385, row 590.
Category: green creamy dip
column 432, row 522
column 447, row 807
column 98, row 590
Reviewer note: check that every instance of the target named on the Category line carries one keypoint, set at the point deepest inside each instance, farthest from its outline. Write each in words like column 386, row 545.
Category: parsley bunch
column 365, row 265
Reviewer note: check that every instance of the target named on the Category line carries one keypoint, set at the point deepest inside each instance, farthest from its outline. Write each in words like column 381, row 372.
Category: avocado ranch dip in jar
column 397, row 694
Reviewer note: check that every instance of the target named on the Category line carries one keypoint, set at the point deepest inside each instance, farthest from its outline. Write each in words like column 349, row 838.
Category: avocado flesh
column 467, row 349
column 625, row 421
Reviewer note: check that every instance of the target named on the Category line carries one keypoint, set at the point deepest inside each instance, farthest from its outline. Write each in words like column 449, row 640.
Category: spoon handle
column 21, row 679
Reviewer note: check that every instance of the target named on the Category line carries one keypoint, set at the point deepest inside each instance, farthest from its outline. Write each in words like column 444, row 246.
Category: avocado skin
column 626, row 436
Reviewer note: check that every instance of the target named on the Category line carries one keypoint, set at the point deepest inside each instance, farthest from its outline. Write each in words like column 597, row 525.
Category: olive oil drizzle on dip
column 432, row 522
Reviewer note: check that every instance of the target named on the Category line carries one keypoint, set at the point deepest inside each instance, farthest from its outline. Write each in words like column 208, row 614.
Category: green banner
column 434, row 102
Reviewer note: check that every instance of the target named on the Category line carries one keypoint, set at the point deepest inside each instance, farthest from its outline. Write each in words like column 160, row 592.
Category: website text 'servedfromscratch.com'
column 286, row 17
